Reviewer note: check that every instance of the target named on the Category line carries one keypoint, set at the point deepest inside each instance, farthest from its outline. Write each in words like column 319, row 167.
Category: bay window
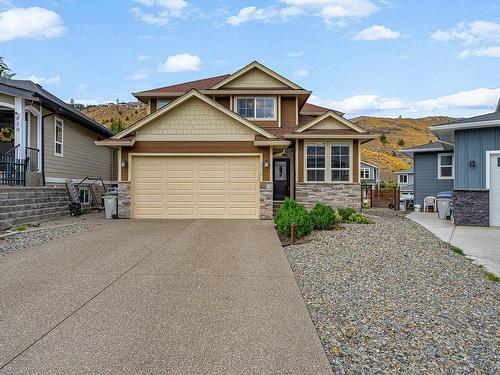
column 256, row 108
column 315, row 162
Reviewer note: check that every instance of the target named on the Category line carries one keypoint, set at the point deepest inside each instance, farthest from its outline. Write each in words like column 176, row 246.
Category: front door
column 495, row 190
column 281, row 171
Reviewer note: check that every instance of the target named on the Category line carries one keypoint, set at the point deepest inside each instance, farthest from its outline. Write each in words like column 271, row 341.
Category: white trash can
column 417, row 207
column 110, row 205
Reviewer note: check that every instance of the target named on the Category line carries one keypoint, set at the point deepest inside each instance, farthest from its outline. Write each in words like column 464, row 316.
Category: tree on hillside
column 5, row 71
column 117, row 125
column 401, row 142
column 383, row 139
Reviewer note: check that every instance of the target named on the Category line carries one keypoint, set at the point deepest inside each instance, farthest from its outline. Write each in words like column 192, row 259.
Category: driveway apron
column 144, row 296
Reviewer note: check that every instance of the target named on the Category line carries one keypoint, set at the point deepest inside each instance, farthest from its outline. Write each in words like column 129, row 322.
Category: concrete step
column 31, row 194
column 33, row 212
column 32, row 206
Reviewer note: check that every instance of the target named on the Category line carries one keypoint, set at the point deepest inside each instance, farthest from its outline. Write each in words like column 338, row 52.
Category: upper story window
column 445, row 166
column 315, row 161
column 256, row 108
column 365, row 173
column 403, row 179
column 341, row 161
column 58, row 137
column 163, row 102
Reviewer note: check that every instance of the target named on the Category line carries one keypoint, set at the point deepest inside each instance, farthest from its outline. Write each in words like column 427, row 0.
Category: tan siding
column 195, row 147
column 255, row 78
column 81, row 156
column 195, row 118
column 7, row 99
column 330, row 123
column 33, row 130
column 288, row 109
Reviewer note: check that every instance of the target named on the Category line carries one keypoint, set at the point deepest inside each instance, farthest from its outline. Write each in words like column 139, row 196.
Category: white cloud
column 361, row 103
column 180, row 63
column 91, row 101
column 252, row 13
column 162, row 11
column 483, row 99
column 43, row 80
column 377, row 32
column 34, row 22
column 141, row 74
column 295, row 54
column 469, row 33
column 144, row 58
column 301, row 73
column 327, row 9
column 481, row 52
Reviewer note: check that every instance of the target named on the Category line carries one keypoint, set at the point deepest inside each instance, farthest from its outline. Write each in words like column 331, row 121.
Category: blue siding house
column 368, row 173
column 433, row 170
column 476, row 193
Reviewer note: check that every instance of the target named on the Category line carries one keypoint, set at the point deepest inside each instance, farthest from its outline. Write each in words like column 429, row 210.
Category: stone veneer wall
column 471, row 207
column 335, row 195
column 266, row 200
column 124, row 200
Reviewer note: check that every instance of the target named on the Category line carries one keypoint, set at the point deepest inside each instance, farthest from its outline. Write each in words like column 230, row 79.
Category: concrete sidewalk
column 157, row 297
column 479, row 243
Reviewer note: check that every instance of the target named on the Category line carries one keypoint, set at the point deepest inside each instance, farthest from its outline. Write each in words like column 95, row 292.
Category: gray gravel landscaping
column 390, row 297
column 23, row 240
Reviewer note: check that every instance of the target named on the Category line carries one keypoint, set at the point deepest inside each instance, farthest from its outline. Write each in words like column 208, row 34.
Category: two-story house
column 229, row 146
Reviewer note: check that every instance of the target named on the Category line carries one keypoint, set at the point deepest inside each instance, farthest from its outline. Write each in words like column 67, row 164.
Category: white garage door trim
column 494, row 216
column 259, row 170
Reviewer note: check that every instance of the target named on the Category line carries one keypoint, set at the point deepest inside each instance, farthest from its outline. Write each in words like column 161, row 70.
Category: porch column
column 20, row 128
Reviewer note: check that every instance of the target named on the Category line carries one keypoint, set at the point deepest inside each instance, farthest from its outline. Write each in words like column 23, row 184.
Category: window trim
column 162, row 99
column 325, row 145
column 61, row 121
column 364, row 169
column 274, row 98
column 440, row 177
column 328, row 169
column 402, row 182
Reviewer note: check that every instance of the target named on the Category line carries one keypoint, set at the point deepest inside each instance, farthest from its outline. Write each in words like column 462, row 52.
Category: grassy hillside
column 400, row 133
column 104, row 115
column 411, row 131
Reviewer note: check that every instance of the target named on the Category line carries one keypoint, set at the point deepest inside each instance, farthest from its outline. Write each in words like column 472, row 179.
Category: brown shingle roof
column 200, row 84
column 309, row 108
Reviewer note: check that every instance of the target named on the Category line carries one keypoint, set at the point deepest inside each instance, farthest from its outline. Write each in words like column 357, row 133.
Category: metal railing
column 12, row 171
column 32, row 155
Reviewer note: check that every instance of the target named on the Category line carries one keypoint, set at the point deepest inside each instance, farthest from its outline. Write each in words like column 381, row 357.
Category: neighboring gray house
column 57, row 140
column 405, row 180
column 476, row 167
column 368, row 173
column 432, row 170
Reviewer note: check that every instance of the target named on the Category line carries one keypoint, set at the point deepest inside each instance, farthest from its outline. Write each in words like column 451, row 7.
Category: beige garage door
column 195, row 187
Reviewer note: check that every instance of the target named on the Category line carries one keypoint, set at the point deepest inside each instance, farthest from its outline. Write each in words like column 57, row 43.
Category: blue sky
column 373, row 57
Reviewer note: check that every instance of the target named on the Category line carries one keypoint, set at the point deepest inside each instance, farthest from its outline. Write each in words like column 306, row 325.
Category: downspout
column 42, row 148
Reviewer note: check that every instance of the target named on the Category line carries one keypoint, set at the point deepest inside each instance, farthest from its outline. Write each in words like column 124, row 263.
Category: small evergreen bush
column 324, row 216
column 290, row 212
column 345, row 212
column 357, row 218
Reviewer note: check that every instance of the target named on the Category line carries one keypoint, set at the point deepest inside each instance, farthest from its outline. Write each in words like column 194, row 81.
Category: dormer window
column 163, row 102
column 256, row 108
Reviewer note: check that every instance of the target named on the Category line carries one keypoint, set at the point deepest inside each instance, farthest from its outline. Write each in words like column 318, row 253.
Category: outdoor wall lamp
column 124, row 163
column 266, row 163
column 472, row 163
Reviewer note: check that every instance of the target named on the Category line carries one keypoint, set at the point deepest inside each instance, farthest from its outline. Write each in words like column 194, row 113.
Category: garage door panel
column 191, row 187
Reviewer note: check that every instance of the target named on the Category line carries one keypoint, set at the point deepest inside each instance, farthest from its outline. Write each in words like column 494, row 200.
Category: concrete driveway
column 189, row 297
column 480, row 243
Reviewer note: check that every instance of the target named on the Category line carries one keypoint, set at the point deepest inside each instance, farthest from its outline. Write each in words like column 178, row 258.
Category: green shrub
column 324, row 216
column 456, row 249
column 21, row 228
column 345, row 212
column 357, row 218
column 290, row 212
